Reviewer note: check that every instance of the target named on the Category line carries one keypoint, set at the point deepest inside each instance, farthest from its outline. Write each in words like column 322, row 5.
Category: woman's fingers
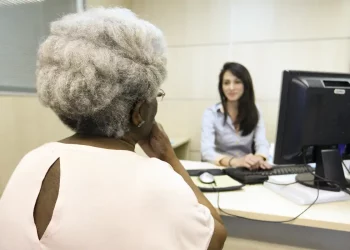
column 246, row 165
column 266, row 165
column 250, row 162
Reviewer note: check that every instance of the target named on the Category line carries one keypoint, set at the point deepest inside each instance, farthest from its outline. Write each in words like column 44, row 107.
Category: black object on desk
column 313, row 126
column 258, row 176
column 213, row 171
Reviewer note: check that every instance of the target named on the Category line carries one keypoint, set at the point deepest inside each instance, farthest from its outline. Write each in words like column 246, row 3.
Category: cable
column 281, row 184
column 284, row 221
column 317, row 176
column 296, row 217
column 345, row 167
column 346, row 190
column 286, row 184
column 267, row 221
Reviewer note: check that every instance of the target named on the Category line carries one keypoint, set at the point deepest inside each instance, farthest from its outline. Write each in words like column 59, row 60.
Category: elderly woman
column 100, row 72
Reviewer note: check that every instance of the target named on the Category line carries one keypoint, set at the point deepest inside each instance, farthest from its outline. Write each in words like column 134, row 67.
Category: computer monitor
column 313, row 123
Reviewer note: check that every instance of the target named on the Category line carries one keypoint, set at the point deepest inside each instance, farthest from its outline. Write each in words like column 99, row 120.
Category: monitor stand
column 328, row 166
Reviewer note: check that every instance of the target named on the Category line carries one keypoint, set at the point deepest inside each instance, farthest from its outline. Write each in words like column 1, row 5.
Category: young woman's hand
column 251, row 161
column 257, row 161
column 158, row 144
column 263, row 164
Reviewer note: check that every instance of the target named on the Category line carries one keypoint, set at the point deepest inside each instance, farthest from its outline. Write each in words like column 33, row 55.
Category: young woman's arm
column 261, row 144
column 208, row 144
column 208, row 140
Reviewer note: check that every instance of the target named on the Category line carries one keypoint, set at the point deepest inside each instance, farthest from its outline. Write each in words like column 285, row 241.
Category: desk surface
column 178, row 141
column 258, row 202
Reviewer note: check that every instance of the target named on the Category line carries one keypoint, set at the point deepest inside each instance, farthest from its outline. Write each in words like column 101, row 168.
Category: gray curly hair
column 96, row 65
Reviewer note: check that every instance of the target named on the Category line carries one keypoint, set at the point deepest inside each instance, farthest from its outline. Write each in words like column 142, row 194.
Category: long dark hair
column 248, row 115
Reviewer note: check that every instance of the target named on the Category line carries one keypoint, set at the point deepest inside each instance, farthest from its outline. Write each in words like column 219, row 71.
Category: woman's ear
column 136, row 117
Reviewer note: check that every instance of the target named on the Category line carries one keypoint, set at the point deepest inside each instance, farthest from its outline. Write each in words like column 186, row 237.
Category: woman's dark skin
column 152, row 139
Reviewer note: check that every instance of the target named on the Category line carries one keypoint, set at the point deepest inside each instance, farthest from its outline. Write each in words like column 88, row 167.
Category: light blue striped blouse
column 219, row 140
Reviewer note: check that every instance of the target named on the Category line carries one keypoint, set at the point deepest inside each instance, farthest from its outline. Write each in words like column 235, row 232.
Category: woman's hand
column 158, row 144
column 263, row 164
column 242, row 162
column 251, row 161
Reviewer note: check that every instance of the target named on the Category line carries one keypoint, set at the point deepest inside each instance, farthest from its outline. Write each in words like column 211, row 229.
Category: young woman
column 233, row 129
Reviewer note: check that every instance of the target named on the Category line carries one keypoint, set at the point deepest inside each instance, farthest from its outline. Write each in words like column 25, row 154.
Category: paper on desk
column 221, row 181
column 197, row 165
column 282, row 179
column 303, row 195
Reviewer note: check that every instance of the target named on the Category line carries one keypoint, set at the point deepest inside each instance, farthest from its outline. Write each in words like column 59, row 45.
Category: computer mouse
column 207, row 178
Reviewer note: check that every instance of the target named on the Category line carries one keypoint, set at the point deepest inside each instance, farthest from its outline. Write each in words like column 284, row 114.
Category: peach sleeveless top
column 108, row 199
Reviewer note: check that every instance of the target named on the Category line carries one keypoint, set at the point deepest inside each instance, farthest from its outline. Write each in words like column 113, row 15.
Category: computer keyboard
column 247, row 176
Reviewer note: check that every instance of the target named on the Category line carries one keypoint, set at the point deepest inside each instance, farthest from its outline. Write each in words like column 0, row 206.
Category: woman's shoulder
column 40, row 153
column 259, row 110
column 162, row 171
column 160, row 177
column 213, row 109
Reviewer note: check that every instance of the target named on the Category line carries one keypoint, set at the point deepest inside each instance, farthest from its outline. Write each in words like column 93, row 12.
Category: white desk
column 181, row 146
column 258, row 202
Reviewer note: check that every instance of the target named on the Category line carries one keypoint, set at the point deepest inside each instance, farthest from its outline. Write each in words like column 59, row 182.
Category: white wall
column 108, row 3
column 24, row 123
column 267, row 36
